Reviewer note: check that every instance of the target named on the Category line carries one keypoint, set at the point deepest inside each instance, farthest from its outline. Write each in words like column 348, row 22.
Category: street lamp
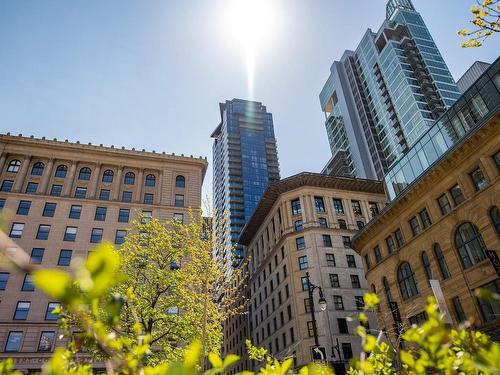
column 322, row 305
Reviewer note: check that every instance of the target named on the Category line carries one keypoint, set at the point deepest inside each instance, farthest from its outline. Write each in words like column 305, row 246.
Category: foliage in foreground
column 486, row 21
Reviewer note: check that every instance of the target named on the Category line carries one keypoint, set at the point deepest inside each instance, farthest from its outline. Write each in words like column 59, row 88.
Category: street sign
column 318, row 353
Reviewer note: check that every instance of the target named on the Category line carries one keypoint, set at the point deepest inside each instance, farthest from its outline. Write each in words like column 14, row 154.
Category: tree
column 486, row 19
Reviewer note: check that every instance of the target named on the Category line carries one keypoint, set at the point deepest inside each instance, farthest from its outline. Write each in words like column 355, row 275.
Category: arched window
column 129, row 178
column 107, row 176
column 470, row 244
column 387, row 289
column 150, row 180
column 406, row 281
column 443, row 267
column 342, row 224
column 84, row 174
column 495, row 218
column 427, row 265
column 37, row 169
column 14, row 166
column 180, row 181
column 61, row 171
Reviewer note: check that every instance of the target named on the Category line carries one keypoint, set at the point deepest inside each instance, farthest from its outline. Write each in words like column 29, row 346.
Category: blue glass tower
column 245, row 162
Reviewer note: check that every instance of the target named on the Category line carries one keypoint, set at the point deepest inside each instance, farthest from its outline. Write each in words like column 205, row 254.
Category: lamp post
column 322, row 305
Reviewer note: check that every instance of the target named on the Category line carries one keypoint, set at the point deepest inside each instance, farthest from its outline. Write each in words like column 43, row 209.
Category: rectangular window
column 459, row 311
column 148, row 198
column 355, row 282
column 342, row 224
column 127, row 196
column 415, row 226
column 46, row 341
column 4, row 278
column 22, row 310
column 310, row 328
column 323, row 223
column 346, row 240
column 338, row 303
column 338, row 207
column 56, row 190
column 23, row 208
column 304, row 281
column 330, row 260
column 319, row 204
column 17, row 230
column 425, row 218
column 360, row 303
column 146, row 216
column 342, row 323
column 75, row 212
column 300, row 243
column 347, row 350
column 43, row 232
column 478, row 179
column 7, row 185
column 96, row 235
column 444, row 204
column 14, row 341
column 391, row 247
column 303, row 262
column 179, row 200
column 49, row 314
column 296, row 209
column 496, row 159
column 334, row 280
column 80, row 192
column 367, row 262
column 327, row 240
column 356, row 208
column 65, row 257
column 123, row 215
column 104, row 195
column 70, row 234
column 100, row 213
column 490, row 309
column 373, row 208
column 456, row 195
column 28, row 285
column 378, row 254
column 351, row 261
column 179, row 218
column 297, row 224
column 399, row 238
column 418, row 319
column 2, row 203
column 49, row 209
column 307, row 305
column 31, row 188
column 120, row 236
column 36, row 255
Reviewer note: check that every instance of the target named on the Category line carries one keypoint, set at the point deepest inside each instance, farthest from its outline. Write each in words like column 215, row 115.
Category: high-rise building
column 245, row 162
column 64, row 198
column 399, row 84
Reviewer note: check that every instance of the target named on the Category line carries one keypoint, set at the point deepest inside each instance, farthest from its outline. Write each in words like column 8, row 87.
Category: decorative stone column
column 140, row 183
column 21, row 175
column 117, row 184
column 2, row 162
column 71, row 178
column 46, row 177
column 95, row 180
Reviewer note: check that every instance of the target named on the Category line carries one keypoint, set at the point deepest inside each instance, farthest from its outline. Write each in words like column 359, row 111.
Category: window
column 123, row 215
column 179, row 218
column 23, row 208
column 310, row 328
column 478, row 179
column 307, row 305
column 387, row 289
column 56, row 190
column 70, row 234
column 303, row 262
column 96, row 235
column 338, row 207
column 456, row 195
column 459, row 311
column 14, row 166
column 300, row 243
column 75, row 212
column 444, row 204
column 50, row 314
column 373, row 208
column 443, row 267
column 367, row 262
column 17, row 230
column 148, row 198
column 46, row 341
column 7, row 185
column 36, row 255
column 14, row 341
column 338, row 303
column 2, row 203
column 150, row 180
column 418, row 319
column 330, row 260
column 304, row 281
column 129, row 178
column 415, row 226
column 28, row 285
column 100, row 213
column 179, row 200
column 427, row 265
column 359, row 302
column 342, row 224
column 323, row 223
column 120, row 236
column 356, row 208
column 31, row 188
column 400, row 241
column 378, row 254
column 104, row 195
column 61, row 171
column 80, row 192
column 355, row 282
column 107, row 176
column 470, row 244
column 43, row 232
column 351, row 261
column 496, row 159
column 347, row 350
column 127, row 196
column 146, row 216
column 391, row 247
column 360, row 224
column 22, row 310
column 37, row 169
column 180, row 181
column 173, row 310
column 406, row 280
column 297, row 224
column 495, row 218
column 296, row 209
column 319, row 204
column 334, row 280
column 425, row 218
column 84, row 174
column 342, row 323
column 4, row 278
column 65, row 257
column 490, row 310
column 346, row 240
column 327, row 240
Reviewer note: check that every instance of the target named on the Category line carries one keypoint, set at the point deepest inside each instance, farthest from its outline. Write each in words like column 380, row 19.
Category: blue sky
column 150, row 74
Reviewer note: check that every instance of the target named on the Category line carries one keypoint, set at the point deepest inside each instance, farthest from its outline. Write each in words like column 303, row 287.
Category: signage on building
column 438, row 294
column 495, row 261
column 318, row 353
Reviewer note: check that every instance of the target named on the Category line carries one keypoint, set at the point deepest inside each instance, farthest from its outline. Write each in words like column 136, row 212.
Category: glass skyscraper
column 245, row 162
column 400, row 84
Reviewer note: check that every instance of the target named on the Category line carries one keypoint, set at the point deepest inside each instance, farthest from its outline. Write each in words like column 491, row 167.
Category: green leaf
column 53, row 282
column 371, row 300
column 215, row 360
column 102, row 264
column 370, row 344
column 192, row 354
column 230, row 359
column 407, row 358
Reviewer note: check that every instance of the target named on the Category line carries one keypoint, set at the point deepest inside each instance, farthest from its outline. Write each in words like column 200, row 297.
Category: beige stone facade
column 448, row 226
column 65, row 197
column 304, row 224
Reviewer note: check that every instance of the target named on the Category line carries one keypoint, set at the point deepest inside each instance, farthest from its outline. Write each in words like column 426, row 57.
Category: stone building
column 63, row 199
column 304, row 224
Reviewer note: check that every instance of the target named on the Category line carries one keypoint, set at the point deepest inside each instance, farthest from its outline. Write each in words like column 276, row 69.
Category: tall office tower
column 402, row 82
column 245, row 162
column 64, row 199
